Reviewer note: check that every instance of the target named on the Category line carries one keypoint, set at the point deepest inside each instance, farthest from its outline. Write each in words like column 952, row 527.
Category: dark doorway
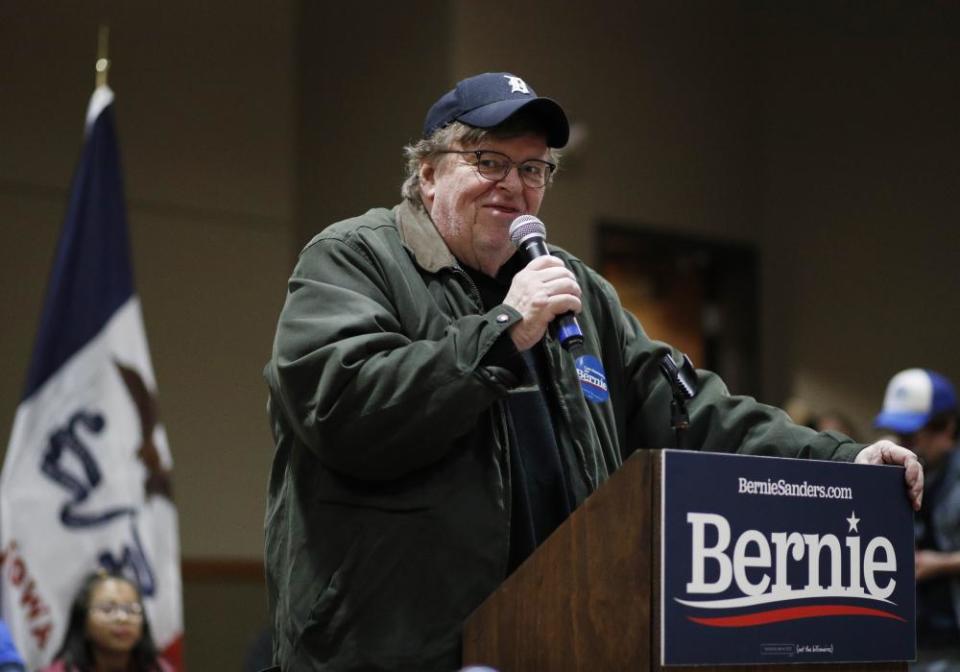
column 699, row 295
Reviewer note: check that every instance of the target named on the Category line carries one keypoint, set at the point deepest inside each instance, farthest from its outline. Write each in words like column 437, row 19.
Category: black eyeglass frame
column 551, row 167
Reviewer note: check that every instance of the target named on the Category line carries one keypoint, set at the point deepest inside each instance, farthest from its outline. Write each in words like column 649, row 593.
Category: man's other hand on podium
column 887, row 452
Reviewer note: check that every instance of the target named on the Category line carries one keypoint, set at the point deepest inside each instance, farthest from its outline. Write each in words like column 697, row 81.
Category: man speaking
column 430, row 428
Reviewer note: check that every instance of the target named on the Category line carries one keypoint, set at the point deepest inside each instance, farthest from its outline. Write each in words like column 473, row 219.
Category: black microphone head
column 525, row 226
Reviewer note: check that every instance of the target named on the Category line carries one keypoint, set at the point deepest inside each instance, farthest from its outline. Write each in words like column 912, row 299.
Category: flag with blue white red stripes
column 86, row 479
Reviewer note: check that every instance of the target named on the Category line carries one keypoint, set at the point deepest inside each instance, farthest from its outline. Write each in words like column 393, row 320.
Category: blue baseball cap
column 913, row 398
column 487, row 100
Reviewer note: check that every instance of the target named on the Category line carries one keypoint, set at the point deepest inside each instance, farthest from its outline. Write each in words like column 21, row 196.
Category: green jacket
column 389, row 500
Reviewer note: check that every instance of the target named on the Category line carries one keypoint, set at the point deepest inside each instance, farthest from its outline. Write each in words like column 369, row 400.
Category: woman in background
column 108, row 630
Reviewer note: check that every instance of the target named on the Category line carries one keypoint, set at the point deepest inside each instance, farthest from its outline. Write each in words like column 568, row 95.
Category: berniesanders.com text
column 783, row 488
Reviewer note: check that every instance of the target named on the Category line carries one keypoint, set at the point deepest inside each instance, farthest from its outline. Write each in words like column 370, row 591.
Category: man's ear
column 428, row 185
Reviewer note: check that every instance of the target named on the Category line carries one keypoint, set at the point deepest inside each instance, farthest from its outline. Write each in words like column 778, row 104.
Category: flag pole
column 103, row 51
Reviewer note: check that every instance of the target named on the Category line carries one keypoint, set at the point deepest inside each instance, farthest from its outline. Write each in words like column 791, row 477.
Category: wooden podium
column 588, row 598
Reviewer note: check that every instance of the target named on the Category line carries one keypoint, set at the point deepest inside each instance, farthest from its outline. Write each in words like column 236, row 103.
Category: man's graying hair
column 457, row 133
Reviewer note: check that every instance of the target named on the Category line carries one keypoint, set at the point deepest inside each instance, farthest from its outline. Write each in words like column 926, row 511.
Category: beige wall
column 367, row 73
column 861, row 171
column 661, row 90
column 829, row 142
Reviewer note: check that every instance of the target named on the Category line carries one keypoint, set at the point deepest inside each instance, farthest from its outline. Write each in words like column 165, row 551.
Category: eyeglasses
column 495, row 166
column 114, row 610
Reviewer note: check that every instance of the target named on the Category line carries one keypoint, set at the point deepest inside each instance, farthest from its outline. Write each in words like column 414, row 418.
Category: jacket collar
column 420, row 235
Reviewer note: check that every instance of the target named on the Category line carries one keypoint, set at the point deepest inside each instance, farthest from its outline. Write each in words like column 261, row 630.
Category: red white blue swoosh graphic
column 777, row 614
column 792, row 614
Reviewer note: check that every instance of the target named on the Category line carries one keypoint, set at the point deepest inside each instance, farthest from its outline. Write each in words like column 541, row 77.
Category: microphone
column 529, row 234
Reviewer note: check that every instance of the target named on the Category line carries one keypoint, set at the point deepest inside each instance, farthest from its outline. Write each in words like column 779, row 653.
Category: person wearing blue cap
column 920, row 408
column 431, row 428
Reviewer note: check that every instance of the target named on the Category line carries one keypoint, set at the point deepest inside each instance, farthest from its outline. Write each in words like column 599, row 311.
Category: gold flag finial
column 103, row 52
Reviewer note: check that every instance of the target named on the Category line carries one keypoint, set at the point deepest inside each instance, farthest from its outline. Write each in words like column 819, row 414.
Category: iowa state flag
column 86, row 480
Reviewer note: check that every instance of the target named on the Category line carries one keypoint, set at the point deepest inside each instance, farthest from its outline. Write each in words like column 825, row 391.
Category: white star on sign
column 853, row 520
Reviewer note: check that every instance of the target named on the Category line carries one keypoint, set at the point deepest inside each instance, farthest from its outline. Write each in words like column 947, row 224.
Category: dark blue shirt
column 936, row 617
column 540, row 492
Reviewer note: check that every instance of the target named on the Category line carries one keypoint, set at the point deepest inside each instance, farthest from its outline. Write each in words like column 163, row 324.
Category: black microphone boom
column 529, row 234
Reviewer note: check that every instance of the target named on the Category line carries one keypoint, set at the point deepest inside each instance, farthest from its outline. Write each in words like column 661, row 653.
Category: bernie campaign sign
column 770, row 561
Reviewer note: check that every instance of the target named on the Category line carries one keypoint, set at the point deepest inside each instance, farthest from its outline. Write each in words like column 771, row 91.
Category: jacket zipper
column 499, row 421
column 558, row 390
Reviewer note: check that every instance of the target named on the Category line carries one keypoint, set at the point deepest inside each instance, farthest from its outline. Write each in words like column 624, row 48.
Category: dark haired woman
column 108, row 630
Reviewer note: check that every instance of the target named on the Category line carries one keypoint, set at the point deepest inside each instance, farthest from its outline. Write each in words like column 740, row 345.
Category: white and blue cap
column 487, row 100
column 913, row 398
